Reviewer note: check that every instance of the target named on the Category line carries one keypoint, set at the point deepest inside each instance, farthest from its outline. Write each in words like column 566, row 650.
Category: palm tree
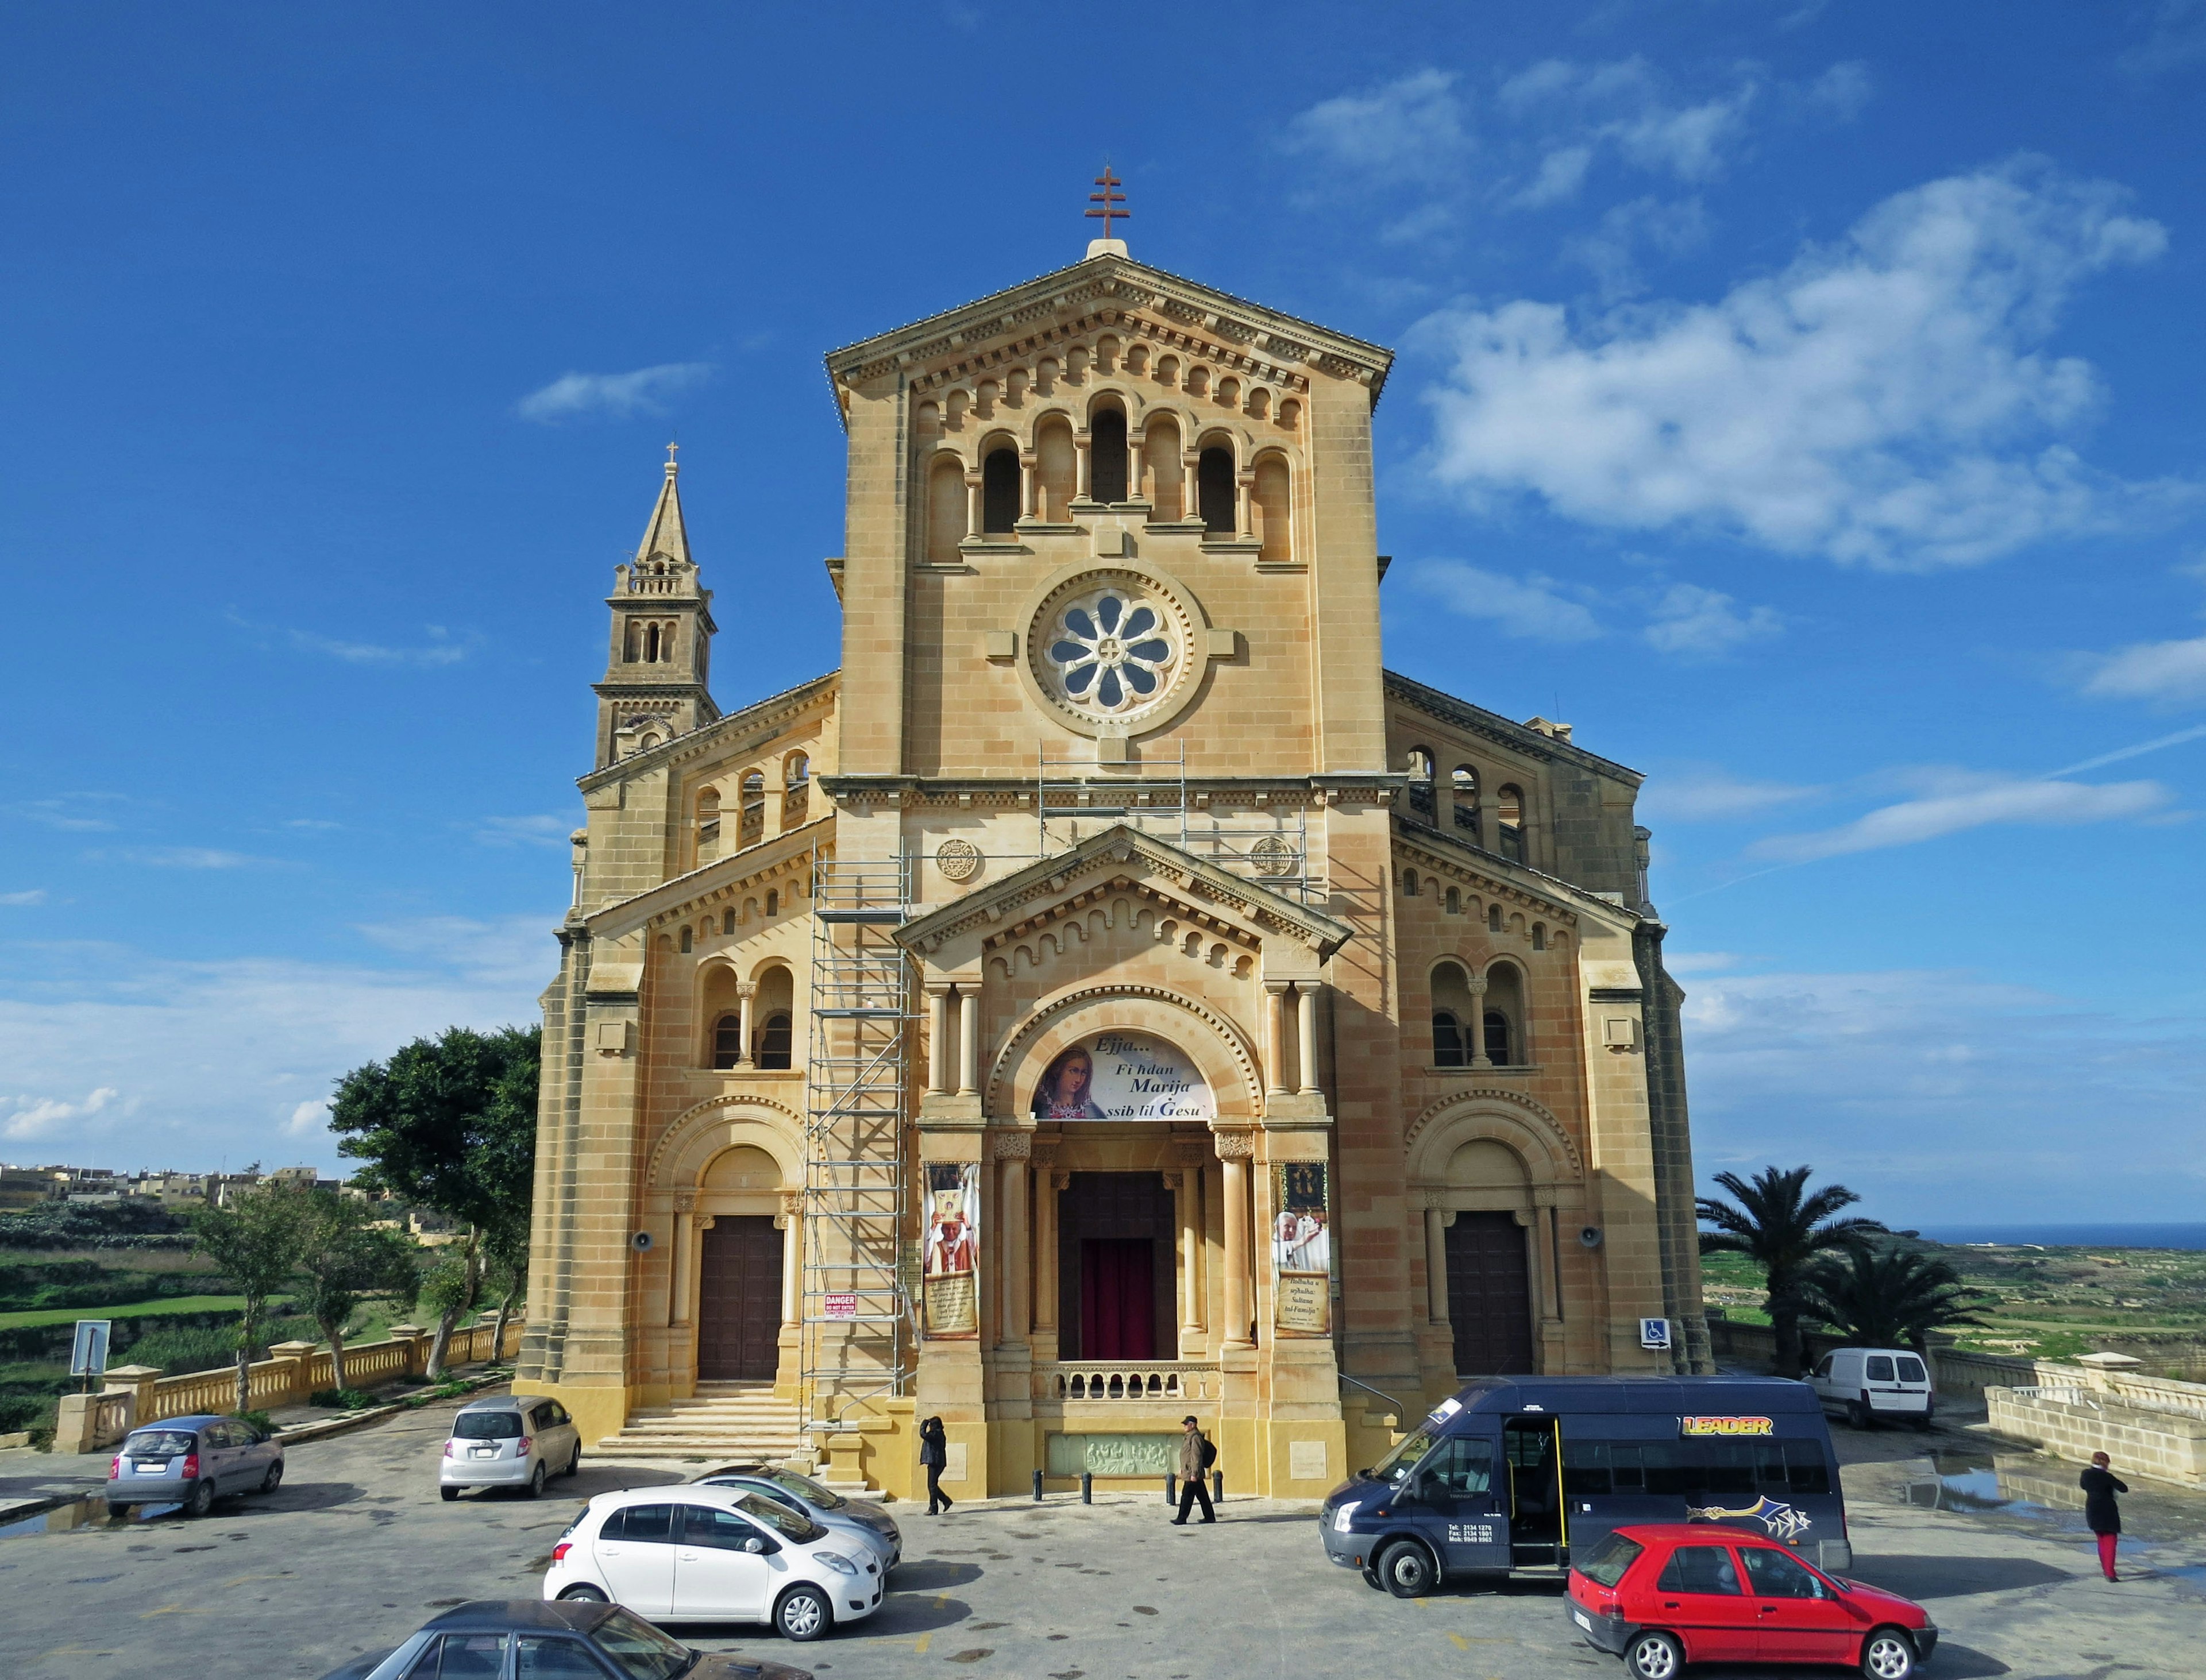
column 1782, row 1225
column 1888, row 1297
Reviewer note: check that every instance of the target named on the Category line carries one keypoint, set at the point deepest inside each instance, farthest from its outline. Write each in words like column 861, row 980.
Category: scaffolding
column 857, row 1339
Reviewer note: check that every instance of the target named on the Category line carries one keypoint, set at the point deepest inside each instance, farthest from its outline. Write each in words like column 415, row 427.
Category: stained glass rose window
column 1110, row 653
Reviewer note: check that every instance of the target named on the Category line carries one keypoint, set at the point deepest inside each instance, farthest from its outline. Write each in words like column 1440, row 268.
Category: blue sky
column 1801, row 400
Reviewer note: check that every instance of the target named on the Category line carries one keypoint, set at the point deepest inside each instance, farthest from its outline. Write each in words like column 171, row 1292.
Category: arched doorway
column 1115, row 1267
column 740, row 1261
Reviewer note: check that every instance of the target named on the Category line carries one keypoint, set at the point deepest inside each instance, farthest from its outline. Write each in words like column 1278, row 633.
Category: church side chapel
column 1111, row 994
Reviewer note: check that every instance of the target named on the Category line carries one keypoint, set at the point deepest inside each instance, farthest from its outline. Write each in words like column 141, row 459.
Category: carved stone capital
column 792, row 1203
column 704, row 1221
column 746, row 988
column 1234, row 1146
column 1013, row 1146
column 1060, row 1181
column 1174, row 1181
column 685, row 1201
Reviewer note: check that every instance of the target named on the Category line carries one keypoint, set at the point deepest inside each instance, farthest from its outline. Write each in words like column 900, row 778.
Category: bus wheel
column 1406, row 1569
column 1655, row 1656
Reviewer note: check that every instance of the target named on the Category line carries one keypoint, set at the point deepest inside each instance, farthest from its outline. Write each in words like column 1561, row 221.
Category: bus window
column 1806, row 1468
column 1396, row 1465
column 1464, row 1466
column 1586, row 1470
column 1627, row 1467
column 1726, row 1468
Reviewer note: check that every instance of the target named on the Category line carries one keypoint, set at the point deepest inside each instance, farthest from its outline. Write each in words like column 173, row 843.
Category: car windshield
column 486, row 1425
column 1399, row 1463
column 790, row 1524
column 812, row 1494
column 1606, row 1565
column 640, row 1650
column 159, row 1444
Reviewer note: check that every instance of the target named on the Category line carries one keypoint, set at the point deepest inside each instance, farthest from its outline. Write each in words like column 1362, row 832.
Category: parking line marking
column 175, row 1610
column 925, row 1639
column 1461, row 1643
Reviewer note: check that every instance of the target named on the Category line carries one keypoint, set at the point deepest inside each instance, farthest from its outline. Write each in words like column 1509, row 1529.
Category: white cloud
column 2170, row 672
column 1413, row 125
column 1622, row 109
column 38, row 1117
column 310, row 1116
column 1668, row 227
column 524, row 831
column 2175, row 41
column 1883, row 401
column 1843, row 90
column 30, row 896
column 1527, row 607
column 73, row 813
column 1953, row 800
column 619, row 395
column 1695, row 796
column 176, row 857
column 1702, row 624
column 440, row 649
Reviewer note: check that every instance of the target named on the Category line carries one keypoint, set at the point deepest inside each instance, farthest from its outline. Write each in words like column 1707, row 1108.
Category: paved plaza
column 357, row 1550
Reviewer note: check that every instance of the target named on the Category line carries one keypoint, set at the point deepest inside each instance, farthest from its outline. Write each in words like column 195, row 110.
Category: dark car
column 536, row 1639
column 193, row 1461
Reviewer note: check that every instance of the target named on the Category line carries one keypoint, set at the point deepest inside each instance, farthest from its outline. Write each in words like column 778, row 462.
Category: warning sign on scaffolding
column 840, row 1307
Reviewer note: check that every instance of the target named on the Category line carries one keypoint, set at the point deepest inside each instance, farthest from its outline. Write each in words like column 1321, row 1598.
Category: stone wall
column 2075, row 1423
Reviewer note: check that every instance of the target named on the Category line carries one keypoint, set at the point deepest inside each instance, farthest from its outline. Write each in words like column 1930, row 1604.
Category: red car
column 1663, row 1594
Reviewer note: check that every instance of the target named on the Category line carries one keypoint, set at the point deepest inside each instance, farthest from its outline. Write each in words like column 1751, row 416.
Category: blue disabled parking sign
column 1654, row 1332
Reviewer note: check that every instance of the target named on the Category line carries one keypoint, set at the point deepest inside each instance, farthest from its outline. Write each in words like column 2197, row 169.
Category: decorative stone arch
column 1218, row 1049
column 1131, row 403
column 1550, row 1155
column 687, row 1146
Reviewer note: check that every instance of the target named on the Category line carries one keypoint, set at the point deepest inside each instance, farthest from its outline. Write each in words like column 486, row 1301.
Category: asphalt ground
column 357, row 1550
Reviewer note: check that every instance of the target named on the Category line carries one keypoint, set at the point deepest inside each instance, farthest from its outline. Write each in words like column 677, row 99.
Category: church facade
column 1111, row 994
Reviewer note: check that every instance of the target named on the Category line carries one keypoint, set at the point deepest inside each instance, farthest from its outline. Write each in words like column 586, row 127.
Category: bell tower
column 662, row 638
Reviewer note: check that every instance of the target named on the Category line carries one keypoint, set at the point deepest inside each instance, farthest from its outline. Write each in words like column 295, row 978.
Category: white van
column 1862, row 1384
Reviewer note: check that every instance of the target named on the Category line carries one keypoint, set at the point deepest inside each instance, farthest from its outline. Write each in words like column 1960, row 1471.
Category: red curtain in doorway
column 1118, row 1299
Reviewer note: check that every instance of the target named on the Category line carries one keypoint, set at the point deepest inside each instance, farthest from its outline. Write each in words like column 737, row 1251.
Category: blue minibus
column 1515, row 1473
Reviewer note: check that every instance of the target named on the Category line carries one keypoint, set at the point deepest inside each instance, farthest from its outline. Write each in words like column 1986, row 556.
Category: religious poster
column 1302, row 1250
column 1119, row 1075
column 950, row 1277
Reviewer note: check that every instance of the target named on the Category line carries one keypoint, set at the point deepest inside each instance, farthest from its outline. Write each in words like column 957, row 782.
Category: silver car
column 193, row 1461
column 860, row 1519
column 512, row 1440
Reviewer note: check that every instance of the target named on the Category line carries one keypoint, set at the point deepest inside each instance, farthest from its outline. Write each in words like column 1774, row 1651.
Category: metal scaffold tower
column 858, row 1333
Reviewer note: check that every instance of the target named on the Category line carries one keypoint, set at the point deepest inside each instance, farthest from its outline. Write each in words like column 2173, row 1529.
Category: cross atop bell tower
column 662, row 635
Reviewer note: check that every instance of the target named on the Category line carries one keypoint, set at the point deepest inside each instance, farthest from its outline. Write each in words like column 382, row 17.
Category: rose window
column 1110, row 653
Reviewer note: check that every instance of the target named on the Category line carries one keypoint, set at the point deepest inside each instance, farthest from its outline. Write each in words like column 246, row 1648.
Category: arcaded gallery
column 1112, row 994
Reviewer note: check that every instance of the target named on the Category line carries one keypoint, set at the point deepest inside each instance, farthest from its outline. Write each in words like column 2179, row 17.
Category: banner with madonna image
column 1302, row 1250
column 950, row 1271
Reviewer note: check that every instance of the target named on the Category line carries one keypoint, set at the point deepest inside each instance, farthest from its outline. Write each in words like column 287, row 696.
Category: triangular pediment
column 1120, row 858
column 1102, row 292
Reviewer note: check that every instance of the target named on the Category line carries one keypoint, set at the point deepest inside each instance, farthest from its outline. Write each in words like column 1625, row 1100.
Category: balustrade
column 1133, row 1380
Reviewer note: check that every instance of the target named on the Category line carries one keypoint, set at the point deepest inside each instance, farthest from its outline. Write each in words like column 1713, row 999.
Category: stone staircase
column 724, row 1421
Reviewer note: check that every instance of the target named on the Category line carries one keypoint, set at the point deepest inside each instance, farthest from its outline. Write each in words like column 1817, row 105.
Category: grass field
column 175, row 1303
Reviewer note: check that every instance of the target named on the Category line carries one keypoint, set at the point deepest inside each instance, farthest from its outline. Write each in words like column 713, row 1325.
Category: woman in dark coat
column 933, row 1455
column 2100, row 1485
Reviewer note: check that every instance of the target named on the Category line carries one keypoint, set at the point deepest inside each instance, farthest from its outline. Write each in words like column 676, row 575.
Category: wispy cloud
column 2176, row 39
column 310, row 1116
column 31, row 895
column 615, row 395
column 74, row 813
column 1532, row 607
column 178, row 857
column 440, row 649
column 1624, row 108
column 38, row 1117
column 522, row 831
column 1415, row 125
column 1952, row 802
column 1699, row 623
column 1873, row 403
column 1707, row 794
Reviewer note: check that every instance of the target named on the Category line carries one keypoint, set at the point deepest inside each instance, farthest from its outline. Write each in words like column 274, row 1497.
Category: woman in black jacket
column 2100, row 1485
column 933, row 1455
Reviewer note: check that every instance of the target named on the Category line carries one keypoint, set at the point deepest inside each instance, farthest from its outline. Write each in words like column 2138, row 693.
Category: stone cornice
column 1493, row 726
column 1504, row 878
column 710, row 882
column 774, row 711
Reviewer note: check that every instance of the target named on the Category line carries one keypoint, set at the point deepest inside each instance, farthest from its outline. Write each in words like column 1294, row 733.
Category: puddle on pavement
column 2042, row 1493
column 91, row 1512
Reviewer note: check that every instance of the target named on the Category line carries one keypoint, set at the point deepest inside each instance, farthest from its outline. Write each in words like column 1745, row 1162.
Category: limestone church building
column 1112, row 994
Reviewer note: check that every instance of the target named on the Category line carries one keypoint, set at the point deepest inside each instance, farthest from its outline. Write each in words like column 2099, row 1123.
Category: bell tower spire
column 662, row 635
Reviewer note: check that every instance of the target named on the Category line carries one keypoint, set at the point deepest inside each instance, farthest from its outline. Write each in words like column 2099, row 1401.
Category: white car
column 714, row 1554
column 1862, row 1384
column 863, row 1520
column 509, row 1440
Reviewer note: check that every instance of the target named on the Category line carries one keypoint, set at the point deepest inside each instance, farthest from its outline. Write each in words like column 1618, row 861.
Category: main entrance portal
column 1489, row 1296
column 739, row 1300
column 1115, row 1267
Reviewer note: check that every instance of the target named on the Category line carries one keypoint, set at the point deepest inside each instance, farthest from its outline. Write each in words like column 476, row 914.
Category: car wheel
column 804, row 1614
column 1405, row 1569
column 583, row 1595
column 1887, row 1654
column 536, row 1482
column 1858, row 1415
column 575, row 1463
column 274, row 1478
column 1655, row 1656
column 201, row 1500
column 1371, row 1580
column 448, row 1494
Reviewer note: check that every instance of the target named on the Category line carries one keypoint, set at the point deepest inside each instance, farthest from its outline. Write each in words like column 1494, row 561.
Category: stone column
column 1477, row 1023
column 745, row 990
column 684, row 1256
column 1234, row 1153
column 1013, row 1150
column 1047, row 1183
column 792, row 1259
column 973, row 483
column 1244, row 485
column 1275, row 1025
column 1436, row 1265
column 1187, row 1198
column 1029, row 484
column 1306, row 1033
column 968, row 1042
column 1084, row 472
column 937, row 1038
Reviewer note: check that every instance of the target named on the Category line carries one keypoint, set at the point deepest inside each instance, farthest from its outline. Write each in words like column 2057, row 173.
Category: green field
column 137, row 1309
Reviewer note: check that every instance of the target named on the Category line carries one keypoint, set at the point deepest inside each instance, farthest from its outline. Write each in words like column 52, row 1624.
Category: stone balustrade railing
column 1132, row 1379
column 293, row 1370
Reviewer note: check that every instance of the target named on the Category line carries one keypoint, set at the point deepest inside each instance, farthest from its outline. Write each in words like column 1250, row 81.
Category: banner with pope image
column 1302, row 1250
column 949, row 1273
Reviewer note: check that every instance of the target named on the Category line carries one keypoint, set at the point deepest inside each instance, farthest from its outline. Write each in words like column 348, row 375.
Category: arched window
column 1455, row 900
column 1421, row 784
column 1106, row 455
column 1509, row 828
column 708, row 824
column 1213, row 486
column 632, row 642
column 1447, row 1039
column 727, row 1040
column 752, row 828
column 1000, row 491
column 772, row 902
column 1166, row 472
column 1464, row 784
column 1497, row 1039
column 945, row 508
column 1055, row 466
column 727, row 921
column 1409, row 884
column 685, row 941
column 1493, row 918
column 1539, row 936
column 651, row 645
column 795, row 790
column 1506, row 1037
column 1451, row 994
column 774, row 1040
column 1274, row 510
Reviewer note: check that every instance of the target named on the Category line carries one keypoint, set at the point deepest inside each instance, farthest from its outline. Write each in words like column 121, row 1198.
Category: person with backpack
column 1196, row 1455
column 933, row 1457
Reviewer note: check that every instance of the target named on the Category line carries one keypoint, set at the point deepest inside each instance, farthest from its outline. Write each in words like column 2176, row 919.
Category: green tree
column 344, row 1259
column 255, row 1241
column 450, row 1123
column 1780, row 1223
column 505, row 1270
column 1889, row 1295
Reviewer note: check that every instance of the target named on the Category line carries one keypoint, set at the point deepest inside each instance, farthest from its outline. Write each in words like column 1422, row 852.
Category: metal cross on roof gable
column 1110, row 198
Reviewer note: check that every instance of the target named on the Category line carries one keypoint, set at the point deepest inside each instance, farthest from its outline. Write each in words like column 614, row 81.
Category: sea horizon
column 2095, row 1234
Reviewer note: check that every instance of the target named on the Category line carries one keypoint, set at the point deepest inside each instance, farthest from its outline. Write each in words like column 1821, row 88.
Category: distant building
column 22, row 1188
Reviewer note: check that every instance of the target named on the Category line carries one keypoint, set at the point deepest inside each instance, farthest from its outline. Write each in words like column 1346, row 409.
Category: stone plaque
column 957, row 859
column 1306, row 1461
column 1113, row 1455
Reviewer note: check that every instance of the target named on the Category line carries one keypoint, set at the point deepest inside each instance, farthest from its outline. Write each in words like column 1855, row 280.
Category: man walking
column 933, row 1459
column 2102, row 1513
column 1196, row 1455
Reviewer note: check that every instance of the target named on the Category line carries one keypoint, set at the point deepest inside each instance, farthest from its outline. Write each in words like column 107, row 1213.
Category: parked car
column 193, row 1461
column 860, row 1518
column 693, row 1553
column 1865, row 1383
column 511, row 1441
column 527, row 1639
column 1663, row 1594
